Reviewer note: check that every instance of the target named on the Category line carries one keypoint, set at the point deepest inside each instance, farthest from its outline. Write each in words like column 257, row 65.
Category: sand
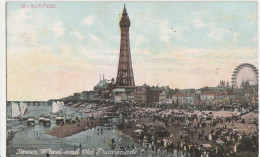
column 175, row 130
column 71, row 129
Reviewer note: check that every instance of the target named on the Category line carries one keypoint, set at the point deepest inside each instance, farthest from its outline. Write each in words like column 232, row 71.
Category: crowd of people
column 199, row 133
column 196, row 133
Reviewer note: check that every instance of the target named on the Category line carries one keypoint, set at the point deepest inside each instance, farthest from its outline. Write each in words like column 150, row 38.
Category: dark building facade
column 125, row 76
column 147, row 95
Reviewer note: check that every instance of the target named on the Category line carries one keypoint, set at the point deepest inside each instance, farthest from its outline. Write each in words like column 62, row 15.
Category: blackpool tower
column 125, row 76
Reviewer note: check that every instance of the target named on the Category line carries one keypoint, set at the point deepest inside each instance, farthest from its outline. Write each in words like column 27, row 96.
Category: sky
column 55, row 52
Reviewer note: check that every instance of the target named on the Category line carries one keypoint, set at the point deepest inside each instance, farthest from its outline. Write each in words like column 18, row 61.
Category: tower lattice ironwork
column 125, row 76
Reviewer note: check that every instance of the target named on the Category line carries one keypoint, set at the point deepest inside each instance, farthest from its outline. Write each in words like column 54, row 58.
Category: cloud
column 235, row 53
column 78, row 35
column 235, row 36
column 253, row 18
column 43, row 55
column 37, row 73
column 95, row 38
column 143, row 52
column 138, row 39
column 88, row 21
column 40, row 70
column 179, row 65
column 179, row 35
column 102, row 56
column 166, row 31
column 198, row 23
column 216, row 33
column 183, row 54
column 17, row 28
column 23, row 29
column 58, row 29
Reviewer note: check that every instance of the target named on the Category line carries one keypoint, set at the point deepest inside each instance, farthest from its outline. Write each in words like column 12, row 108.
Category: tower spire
column 125, row 76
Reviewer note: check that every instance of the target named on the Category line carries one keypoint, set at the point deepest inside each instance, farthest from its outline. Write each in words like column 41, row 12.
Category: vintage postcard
column 133, row 79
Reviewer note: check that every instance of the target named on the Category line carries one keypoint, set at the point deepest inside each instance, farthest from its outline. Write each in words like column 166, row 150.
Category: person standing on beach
column 74, row 145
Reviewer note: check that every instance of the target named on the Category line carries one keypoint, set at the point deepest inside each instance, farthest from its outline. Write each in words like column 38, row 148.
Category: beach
column 215, row 134
column 71, row 129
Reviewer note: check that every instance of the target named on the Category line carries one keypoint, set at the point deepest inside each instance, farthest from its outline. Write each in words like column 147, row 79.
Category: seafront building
column 157, row 96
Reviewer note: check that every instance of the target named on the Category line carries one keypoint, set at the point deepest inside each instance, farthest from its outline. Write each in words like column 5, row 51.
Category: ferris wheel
column 244, row 72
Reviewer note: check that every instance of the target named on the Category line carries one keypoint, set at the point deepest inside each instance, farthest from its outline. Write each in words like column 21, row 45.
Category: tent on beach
column 219, row 142
column 206, row 145
column 138, row 126
column 235, row 130
column 138, row 131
